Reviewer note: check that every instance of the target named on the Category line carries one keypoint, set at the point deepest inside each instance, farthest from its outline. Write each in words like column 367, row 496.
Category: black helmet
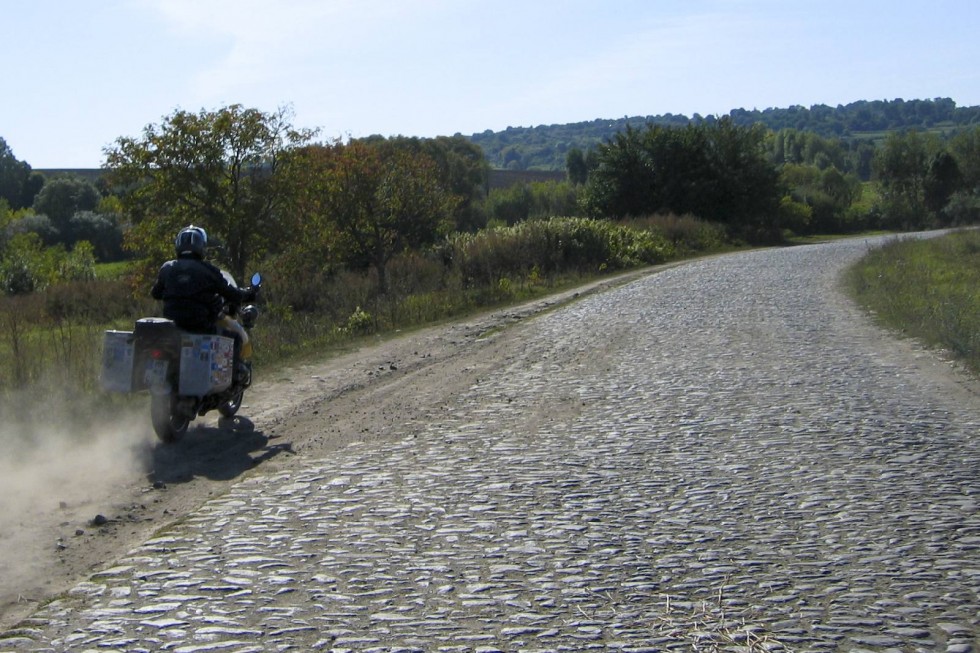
column 191, row 241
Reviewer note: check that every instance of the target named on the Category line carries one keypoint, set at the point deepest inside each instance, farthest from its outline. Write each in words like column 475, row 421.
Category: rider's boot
column 243, row 374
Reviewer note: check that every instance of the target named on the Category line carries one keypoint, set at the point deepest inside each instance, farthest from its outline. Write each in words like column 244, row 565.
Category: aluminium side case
column 206, row 364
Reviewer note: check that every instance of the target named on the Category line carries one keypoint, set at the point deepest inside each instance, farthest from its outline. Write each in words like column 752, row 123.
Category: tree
column 61, row 198
column 943, row 178
column 101, row 231
column 742, row 184
column 466, row 173
column 719, row 172
column 827, row 194
column 965, row 148
column 901, row 166
column 6, row 217
column 623, row 181
column 216, row 169
column 460, row 167
column 34, row 223
column 18, row 185
column 510, row 205
column 379, row 200
column 575, row 166
column 27, row 265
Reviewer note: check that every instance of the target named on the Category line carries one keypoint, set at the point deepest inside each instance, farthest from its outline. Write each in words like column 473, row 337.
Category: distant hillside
column 88, row 174
column 545, row 147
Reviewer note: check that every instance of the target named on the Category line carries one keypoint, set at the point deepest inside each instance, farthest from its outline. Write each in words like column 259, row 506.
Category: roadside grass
column 813, row 239
column 926, row 289
column 287, row 337
column 51, row 341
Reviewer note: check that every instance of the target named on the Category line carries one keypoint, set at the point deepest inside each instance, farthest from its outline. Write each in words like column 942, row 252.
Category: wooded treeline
column 545, row 147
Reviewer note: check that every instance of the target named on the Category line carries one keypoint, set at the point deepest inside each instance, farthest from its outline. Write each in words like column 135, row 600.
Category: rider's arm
column 156, row 292
column 228, row 291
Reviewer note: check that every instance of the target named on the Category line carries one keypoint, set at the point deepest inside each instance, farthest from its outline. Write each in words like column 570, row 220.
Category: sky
column 77, row 75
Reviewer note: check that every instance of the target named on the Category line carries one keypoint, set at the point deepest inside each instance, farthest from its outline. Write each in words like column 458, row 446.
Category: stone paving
column 721, row 456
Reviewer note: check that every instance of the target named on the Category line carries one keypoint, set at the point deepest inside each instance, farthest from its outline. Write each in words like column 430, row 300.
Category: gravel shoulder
column 120, row 487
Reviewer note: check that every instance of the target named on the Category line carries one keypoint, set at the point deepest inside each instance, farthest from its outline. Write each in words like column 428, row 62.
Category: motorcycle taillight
column 158, row 354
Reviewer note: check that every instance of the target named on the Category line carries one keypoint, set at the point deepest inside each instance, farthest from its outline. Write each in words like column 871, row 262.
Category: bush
column 535, row 200
column 359, row 323
column 102, row 231
column 685, row 233
column 36, row 224
column 962, row 209
column 553, row 246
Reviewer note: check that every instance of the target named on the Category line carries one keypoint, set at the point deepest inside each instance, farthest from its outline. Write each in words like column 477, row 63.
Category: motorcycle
column 186, row 374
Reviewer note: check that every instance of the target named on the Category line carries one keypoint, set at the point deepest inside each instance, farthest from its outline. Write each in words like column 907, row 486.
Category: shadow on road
column 220, row 453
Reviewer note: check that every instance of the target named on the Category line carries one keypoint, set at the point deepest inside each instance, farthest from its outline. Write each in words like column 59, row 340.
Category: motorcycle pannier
column 117, row 361
column 206, row 364
column 206, row 361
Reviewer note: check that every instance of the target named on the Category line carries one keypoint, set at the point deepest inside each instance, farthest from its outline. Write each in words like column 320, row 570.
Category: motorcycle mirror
column 256, row 279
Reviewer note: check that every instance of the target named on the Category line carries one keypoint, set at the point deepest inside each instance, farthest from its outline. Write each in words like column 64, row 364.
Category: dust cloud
column 58, row 472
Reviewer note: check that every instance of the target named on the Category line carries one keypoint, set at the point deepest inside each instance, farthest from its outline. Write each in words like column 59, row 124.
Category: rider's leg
column 243, row 348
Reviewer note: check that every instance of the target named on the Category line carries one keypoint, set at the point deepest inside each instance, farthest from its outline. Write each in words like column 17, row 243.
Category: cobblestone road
column 724, row 455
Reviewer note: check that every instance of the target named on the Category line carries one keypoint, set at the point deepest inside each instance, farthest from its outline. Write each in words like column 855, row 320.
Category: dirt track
column 122, row 476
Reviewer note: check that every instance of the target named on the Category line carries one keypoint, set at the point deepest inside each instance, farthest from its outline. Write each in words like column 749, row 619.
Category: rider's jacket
column 192, row 292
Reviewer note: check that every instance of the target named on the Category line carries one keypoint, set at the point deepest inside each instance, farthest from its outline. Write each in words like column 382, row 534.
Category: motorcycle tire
column 229, row 408
column 169, row 425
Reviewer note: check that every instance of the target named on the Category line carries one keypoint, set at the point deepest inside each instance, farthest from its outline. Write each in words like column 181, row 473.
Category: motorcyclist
column 194, row 291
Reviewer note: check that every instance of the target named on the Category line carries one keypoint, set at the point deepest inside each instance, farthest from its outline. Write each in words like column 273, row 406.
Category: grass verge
column 926, row 289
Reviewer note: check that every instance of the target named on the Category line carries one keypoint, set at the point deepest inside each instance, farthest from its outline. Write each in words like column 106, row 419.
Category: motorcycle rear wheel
column 168, row 423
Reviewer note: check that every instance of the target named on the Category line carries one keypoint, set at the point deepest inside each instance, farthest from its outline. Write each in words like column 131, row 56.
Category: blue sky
column 77, row 75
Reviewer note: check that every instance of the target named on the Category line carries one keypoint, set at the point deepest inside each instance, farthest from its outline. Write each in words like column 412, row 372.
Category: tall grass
column 55, row 336
column 553, row 246
column 687, row 234
column 927, row 289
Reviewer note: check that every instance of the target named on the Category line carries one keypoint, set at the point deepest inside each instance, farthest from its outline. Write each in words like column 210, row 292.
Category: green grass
column 813, row 239
column 926, row 289
column 115, row 270
column 864, row 204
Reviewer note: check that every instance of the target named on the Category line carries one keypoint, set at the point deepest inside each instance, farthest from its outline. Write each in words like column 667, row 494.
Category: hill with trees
column 546, row 147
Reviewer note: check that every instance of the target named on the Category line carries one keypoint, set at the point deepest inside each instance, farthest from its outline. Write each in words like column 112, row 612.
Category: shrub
column 534, row 200
column 686, row 233
column 360, row 322
column 553, row 246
